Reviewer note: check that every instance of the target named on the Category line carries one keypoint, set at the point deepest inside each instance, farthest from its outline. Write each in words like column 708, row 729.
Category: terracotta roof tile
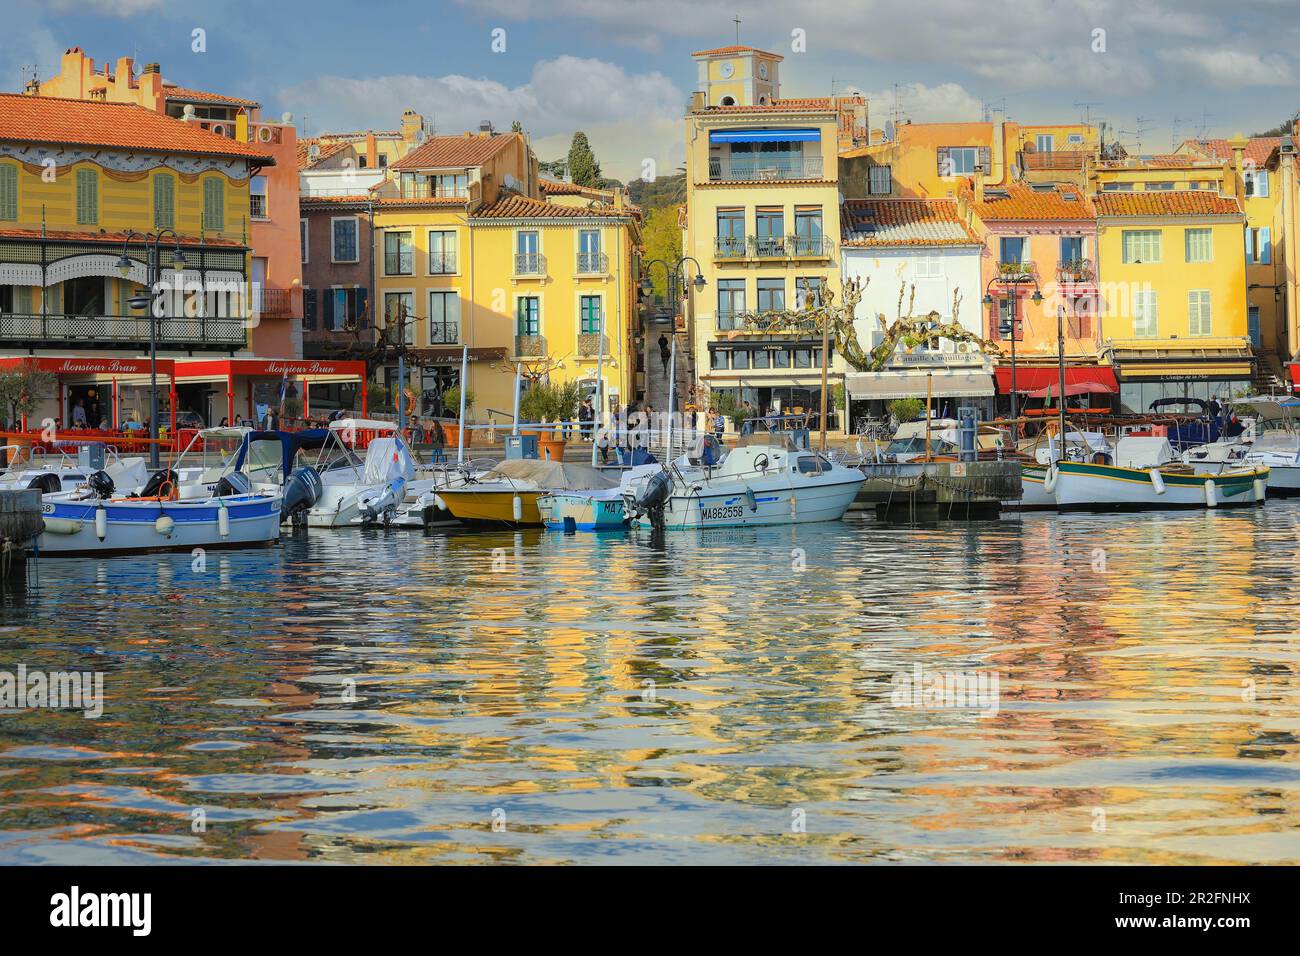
column 328, row 148
column 513, row 206
column 453, row 152
column 807, row 104
column 1167, row 202
column 48, row 119
column 553, row 187
column 203, row 96
column 116, row 238
column 735, row 49
column 905, row 222
column 1257, row 149
column 1020, row 202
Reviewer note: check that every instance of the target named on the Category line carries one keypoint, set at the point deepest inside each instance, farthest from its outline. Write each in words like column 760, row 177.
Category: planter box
column 451, row 435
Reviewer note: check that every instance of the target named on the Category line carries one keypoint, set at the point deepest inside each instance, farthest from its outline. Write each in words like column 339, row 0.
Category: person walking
column 665, row 351
column 437, row 444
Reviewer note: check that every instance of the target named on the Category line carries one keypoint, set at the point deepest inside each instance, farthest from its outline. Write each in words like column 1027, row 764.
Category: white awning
column 908, row 383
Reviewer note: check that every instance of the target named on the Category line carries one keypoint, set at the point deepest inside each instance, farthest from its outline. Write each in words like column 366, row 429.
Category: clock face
column 727, row 70
column 762, row 71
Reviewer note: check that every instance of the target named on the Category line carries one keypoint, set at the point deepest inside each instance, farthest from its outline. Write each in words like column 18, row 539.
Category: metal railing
column 273, row 303
column 730, row 247
column 767, row 247
column 763, row 167
column 398, row 263
column 530, row 345
column 592, row 263
column 442, row 263
column 134, row 329
column 257, row 206
column 773, row 247
column 1075, row 270
column 530, row 264
column 589, row 343
column 810, row 247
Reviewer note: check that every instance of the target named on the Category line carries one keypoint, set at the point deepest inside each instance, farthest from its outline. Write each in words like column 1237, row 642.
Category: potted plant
column 376, row 396
column 293, row 408
column 451, row 402
column 550, row 402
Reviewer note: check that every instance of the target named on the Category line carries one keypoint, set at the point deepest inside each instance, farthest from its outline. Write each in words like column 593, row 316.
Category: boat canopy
column 551, row 474
column 387, row 459
column 362, row 424
column 290, row 444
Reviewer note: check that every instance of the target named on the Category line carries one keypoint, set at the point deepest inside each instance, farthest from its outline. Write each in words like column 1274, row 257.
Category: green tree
column 663, row 240
column 583, row 166
column 22, row 390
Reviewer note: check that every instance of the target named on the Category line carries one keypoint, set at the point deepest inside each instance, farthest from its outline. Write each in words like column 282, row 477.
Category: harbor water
column 779, row 695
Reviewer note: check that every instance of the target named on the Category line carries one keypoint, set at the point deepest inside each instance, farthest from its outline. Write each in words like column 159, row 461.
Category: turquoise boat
column 582, row 510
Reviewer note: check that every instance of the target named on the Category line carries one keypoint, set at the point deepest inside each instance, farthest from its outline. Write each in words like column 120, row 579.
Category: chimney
column 372, row 151
column 979, row 183
column 1238, row 145
column 485, row 128
column 412, row 123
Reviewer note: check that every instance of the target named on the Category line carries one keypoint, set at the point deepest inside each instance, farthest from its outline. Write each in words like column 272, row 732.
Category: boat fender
column 164, row 525
column 223, row 520
column 101, row 522
column 1157, row 481
column 1049, row 480
column 1260, row 489
column 517, row 508
column 1211, row 494
column 794, row 508
column 750, row 500
column 62, row 525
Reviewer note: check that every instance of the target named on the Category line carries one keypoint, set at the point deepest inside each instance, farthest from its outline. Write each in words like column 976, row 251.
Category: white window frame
column 1038, row 142
column 1200, row 319
column 1209, row 243
column 356, row 237
column 454, row 294
column 413, row 329
column 428, row 252
column 952, row 159
column 1146, row 313
column 872, row 184
column 929, row 266
column 1152, row 239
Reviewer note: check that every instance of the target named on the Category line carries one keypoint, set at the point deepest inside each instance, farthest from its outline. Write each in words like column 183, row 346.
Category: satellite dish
column 889, row 130
column 313, row 151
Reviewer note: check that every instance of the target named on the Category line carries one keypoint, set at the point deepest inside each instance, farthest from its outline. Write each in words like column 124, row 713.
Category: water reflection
column 725, row 697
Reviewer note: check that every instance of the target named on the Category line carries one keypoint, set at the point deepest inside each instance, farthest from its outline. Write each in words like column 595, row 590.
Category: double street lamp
column 1009, row 324
column 145, row 301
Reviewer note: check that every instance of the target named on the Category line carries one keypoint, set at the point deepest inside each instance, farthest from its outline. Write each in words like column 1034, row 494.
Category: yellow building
column 1173, row 293
column 463, row 241
column 762, row 221
column 77, row 178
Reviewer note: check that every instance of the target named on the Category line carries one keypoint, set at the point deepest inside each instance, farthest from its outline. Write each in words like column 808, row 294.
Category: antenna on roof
column 32, row 84
column 1085, row 111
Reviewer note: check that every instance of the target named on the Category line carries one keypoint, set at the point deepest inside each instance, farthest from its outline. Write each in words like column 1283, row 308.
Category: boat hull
column 772, row 506
column 1034, row 497
column 561, row 511
column 133, row 527
column 1089, row 487
column 492, row 507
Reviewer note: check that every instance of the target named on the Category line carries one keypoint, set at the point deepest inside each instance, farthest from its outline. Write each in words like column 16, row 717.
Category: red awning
column 1079, row 380
column 1295, row 374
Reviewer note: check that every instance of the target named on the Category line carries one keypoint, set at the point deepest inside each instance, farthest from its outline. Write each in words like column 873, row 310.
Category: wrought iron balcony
column 726, row 320
column 768, row 247
column 810, row 247
column 273, row 303
column 592, row 263
column 530, row 264
column 763, row 167
column 589, row 343
column 89, row 330
column 730, row 247
column 444, row 333
column 442, row 263
column 773, row 247
column 530, row 346
column 1072, row 271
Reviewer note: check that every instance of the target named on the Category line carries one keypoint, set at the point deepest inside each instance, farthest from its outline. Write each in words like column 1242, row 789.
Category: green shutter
column 8, row 191
column 87, row 197
column 164, row 202
column 214, row 204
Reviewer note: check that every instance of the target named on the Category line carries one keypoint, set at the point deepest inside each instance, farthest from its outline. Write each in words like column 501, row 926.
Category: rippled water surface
column 717, row 697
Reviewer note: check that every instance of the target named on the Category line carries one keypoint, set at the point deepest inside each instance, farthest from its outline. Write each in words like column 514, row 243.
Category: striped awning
column 1130, row 371
column 765, row 136
column 909, row 383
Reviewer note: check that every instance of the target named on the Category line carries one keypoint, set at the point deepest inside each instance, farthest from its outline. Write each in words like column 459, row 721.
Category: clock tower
column 738, row 76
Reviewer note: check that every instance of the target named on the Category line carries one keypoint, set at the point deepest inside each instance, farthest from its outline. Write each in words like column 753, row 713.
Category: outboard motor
column 381, row 506
column 235, row 483
column 46, row 483
column 154, row 486
column 650, row 498
column 301, row 492
column 101, row 484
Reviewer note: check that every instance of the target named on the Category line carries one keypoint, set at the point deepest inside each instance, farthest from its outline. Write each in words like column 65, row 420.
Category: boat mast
column 1060, row 362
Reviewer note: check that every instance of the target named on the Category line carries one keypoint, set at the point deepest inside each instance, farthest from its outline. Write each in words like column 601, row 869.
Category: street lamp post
column 153, row 268
column 1010, row 326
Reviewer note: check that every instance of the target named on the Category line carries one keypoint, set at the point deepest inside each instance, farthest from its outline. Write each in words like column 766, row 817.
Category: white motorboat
column 68, row 472
column 757, row 484
column 1276, row 444
column 372, row 496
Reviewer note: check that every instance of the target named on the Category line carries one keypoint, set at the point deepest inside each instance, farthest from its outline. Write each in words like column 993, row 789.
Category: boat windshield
column 264, row 459
column 916, row 446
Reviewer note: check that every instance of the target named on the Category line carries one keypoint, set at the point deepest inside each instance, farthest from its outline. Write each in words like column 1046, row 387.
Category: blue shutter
column 1250, row 244
column 363, row 313
column 309, row 308
column 1265, row 246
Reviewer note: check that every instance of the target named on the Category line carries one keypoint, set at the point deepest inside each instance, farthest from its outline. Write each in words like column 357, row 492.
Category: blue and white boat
column 583, row 510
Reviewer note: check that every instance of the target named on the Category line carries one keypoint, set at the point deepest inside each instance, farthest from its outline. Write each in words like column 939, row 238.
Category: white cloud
column 947, row 102
column 1232, row 68
column 105, row 8
column 622, row 113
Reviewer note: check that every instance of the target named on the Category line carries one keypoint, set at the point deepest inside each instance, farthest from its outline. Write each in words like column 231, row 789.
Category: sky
column 1155, row 71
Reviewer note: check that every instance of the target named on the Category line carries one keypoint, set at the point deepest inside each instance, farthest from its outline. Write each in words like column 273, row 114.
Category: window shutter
column 214, row 201
column 945, row 168
column 1250, row 244
column 986, row 159
column 327, row 310
column 164, row 216
column 1261, row 183
column 87, row 197
column 363, row 309
column 1265, row 245
column 309, row 308
column 8, row 191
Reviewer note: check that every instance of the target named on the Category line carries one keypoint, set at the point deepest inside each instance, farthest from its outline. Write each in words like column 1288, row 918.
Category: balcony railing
column 398, row 264
column 82, row 330
column 810, row 247
column 726, row 320
column 761, row 167
column 1058, row 159
column 589, row 344
column 444, row 333
column 767, row 247
column 257, row 207
column 592, row 263
column 442, row 263
column 530, row 264
column 273, row 303
column 1072, row 271
column 730, row 247
column 530, row 346
column 426, row 190
column 1010, row 271
column 773, row 247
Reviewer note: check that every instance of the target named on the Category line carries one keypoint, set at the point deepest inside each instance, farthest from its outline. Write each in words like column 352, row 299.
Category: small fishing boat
column 507, row 495
column 769, row 481
column 92, row 521
column 1087, row 486
column 583, row 510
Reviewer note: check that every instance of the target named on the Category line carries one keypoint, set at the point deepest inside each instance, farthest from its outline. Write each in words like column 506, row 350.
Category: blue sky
column 621, row 70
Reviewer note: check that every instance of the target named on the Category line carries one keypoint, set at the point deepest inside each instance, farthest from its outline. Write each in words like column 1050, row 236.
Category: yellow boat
column 496, row 505
column 508, row 493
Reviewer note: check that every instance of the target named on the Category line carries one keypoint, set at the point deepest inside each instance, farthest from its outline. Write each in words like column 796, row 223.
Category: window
column 8, row 191
column 731, row 300
column 344, row 239
column 1259, row 246
column 731, row 233
column 214, row 204
column 302, row 237
column 589, row 309
column 1198, row 311
column 928, row 267
column 813, row 284
column 528, row 315
column 1256, row 182
column 1200, row 245
column 442, row 253
column 1141, row 245
column 1160, row 186
column 1074, row 139
column 807, row 230
column 451, row 185
column 1012, row 249
column 762, row 358
column 1145, row 312
column 780, row 358
column 740, row 358
column 769, row 225
column 397, row 254
column 880, row 180
column 1072, row 249
column 394, row 304
column 1117, row 187
column 771, row 295
column 589, row 258
column 444, row 318
column 164, row 201
column 87, row 197
column 962, row 160
column 257, row 197
column 803, row 358
column 528, row 259
column 1044, row 142
column 343, row 309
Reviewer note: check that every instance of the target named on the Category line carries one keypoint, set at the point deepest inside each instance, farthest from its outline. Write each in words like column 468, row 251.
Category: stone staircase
column 1270, row 376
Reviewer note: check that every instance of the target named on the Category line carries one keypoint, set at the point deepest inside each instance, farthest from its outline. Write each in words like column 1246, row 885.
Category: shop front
column 1147, row 375
column 244, row 390
column 952, row 380
column 100, row 393
column 1089, row 389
